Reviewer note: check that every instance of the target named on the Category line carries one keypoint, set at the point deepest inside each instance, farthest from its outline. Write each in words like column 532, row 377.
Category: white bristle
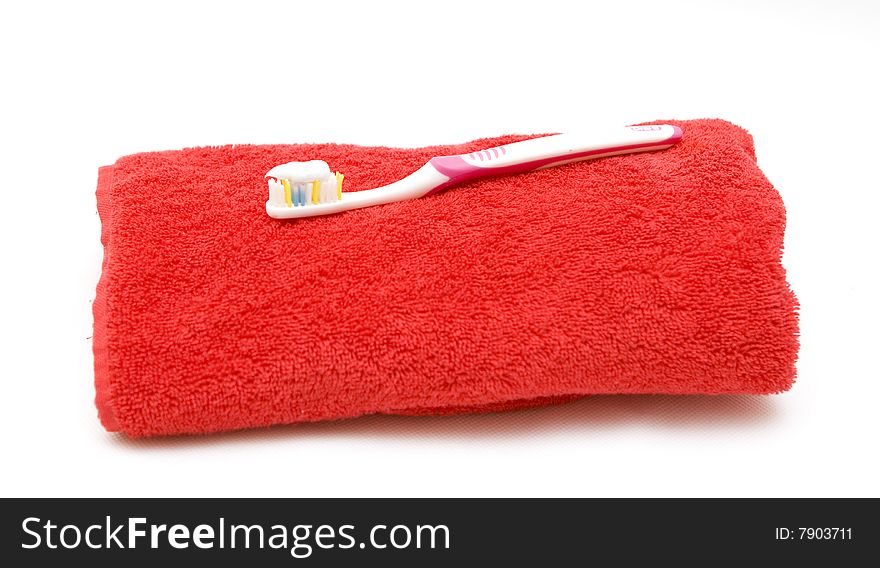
column 276, row 193
column 329, row 189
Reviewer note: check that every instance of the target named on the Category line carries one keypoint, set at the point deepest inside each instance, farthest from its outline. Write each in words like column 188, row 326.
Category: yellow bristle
column 287, row 198
column 316, row 187
column 339, row 178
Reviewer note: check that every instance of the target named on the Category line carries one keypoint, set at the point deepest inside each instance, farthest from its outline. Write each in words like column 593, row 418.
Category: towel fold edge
column 103, row 386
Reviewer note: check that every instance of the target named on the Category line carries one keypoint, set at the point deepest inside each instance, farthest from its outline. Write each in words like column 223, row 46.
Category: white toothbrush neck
column 415, row 185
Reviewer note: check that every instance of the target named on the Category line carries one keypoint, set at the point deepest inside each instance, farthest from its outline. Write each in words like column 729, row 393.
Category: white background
column 84, row 83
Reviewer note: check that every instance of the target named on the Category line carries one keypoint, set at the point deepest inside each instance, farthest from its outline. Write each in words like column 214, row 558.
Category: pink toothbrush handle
column 552, row 151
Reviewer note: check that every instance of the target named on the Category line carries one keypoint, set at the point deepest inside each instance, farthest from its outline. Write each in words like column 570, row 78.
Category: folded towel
column 647, row 273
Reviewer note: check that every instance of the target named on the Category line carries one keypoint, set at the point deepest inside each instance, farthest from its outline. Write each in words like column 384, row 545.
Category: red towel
column 648, row 273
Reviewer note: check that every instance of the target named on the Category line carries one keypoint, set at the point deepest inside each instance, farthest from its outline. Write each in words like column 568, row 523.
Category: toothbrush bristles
column 299, row 184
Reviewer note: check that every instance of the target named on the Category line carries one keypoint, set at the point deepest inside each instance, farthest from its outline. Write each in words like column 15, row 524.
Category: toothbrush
column 306, row 189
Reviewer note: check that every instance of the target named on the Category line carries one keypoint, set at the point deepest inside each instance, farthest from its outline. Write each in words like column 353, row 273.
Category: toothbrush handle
column 553, row 150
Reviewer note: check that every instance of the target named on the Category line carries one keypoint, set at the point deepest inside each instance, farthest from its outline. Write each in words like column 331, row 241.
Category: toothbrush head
column 301, row 184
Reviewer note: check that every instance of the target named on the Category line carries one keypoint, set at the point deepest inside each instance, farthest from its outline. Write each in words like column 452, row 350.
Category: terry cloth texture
column 648, row 273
